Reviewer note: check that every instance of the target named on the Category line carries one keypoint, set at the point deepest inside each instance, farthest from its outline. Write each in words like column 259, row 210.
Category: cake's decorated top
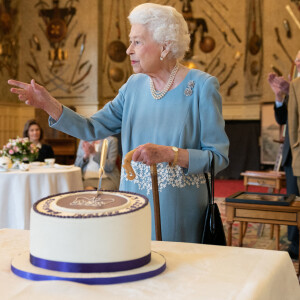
column 83, row 204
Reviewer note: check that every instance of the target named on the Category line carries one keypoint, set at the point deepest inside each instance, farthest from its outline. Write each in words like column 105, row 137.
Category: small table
column 259, row 213
column 273, row 180
column 19, row 190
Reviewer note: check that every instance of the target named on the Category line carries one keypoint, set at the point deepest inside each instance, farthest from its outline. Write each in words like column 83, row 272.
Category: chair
column 274, row 180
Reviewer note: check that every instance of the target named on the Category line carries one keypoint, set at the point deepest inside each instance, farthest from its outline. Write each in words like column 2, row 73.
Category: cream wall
column 12, row 120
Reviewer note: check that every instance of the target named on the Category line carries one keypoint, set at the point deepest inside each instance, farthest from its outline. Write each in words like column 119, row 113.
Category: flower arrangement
column 20, row 149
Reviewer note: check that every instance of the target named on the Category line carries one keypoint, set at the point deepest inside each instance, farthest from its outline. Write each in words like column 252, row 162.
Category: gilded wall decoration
column 116, row 64
column 9, row 45
column 67, row 68
column 254, row 49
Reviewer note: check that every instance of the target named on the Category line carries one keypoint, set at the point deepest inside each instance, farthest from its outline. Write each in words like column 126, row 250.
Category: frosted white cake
column 114, row 231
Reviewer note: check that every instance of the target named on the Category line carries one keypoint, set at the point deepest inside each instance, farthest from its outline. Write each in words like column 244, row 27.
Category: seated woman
column 88, row 159
column 34, row 132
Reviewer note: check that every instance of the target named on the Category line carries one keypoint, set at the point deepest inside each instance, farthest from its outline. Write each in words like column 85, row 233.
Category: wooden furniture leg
column 229, row 234
column 241, row 227
column 272, row 231
column 277, row 235
column 245, row 228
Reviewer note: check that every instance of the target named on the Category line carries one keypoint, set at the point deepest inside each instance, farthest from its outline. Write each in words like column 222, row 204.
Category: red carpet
column 226, row 187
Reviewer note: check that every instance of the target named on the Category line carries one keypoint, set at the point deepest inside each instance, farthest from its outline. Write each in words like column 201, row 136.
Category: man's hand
column 279, row 85
column 88, row 149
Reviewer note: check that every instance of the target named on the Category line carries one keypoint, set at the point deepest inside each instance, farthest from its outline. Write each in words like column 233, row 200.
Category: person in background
column 294, row 121
column 280, row 87
column 169, row 114
column 34, row 132
column 88, row 159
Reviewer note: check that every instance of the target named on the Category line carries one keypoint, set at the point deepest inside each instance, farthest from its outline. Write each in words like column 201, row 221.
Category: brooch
column 189, row 90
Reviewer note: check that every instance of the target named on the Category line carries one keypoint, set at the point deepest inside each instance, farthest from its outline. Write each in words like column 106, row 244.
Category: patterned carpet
column 257, row 235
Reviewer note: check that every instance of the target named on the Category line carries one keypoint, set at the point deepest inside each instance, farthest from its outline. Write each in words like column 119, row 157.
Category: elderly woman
column 33, row 130
column 171, row 115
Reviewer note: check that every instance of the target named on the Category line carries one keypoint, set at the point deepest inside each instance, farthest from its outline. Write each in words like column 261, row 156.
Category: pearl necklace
column 158, row 95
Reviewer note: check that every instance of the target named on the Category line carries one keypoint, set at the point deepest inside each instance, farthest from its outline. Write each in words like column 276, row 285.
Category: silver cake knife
column 102, row 164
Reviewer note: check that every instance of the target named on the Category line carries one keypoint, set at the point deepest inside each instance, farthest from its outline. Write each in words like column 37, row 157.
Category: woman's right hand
column 36, row 95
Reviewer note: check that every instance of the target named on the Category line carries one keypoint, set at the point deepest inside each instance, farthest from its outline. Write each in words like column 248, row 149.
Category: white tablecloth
column 20, row 189
column 193, row 272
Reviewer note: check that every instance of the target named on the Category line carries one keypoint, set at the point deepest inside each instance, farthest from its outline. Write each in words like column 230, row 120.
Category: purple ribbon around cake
column 95, row 280
column 89, row 267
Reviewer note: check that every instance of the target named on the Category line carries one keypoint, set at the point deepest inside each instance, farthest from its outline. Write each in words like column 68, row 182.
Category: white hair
column 166, row 25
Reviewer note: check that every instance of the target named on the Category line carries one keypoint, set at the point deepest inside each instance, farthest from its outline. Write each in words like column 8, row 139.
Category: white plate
column 57, row 166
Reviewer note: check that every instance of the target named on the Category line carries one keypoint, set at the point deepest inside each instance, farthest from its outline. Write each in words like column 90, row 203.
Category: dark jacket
column 45, row 152
column 281, row 116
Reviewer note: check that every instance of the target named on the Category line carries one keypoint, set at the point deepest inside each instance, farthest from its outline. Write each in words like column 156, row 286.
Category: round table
column 19, row 190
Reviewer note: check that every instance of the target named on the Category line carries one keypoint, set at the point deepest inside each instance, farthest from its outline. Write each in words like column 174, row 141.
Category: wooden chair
column 274, row 179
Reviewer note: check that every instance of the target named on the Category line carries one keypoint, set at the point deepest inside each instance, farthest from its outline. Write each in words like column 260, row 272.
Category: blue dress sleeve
column 212, row 131
column 105, row 122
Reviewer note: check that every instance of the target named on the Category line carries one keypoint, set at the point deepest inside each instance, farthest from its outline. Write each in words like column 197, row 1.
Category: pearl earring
column 161, row 58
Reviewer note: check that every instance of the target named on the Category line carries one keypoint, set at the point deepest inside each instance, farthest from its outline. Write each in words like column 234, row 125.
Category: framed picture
column 270, row 135
column 261, row 198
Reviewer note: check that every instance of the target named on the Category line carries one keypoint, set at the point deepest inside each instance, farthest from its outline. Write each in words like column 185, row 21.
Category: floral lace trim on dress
column 166, row 176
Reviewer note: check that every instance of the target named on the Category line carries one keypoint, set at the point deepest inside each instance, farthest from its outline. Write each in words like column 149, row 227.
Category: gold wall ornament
column 116, row 64
column 116, row 74
column 116, row 49
column 57, row 20
column 60, row 74
column 56, row 30
column 9, row 38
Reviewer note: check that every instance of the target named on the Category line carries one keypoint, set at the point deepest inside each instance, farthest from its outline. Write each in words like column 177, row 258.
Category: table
column 259, row 213
column 194, row 271
column 275, row 181
column 19, row 190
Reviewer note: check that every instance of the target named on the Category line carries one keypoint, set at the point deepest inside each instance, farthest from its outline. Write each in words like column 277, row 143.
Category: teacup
column 49, row 162
column 5, row 163
column 24, row 167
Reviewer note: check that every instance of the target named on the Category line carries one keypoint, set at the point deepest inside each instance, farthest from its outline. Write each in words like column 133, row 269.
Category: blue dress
column 188, row 117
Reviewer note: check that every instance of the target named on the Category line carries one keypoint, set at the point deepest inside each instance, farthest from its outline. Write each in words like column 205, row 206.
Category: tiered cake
column 78, row 235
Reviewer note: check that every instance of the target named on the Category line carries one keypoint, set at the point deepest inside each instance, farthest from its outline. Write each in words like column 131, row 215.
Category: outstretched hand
column 32, row 94
column 36, row 95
